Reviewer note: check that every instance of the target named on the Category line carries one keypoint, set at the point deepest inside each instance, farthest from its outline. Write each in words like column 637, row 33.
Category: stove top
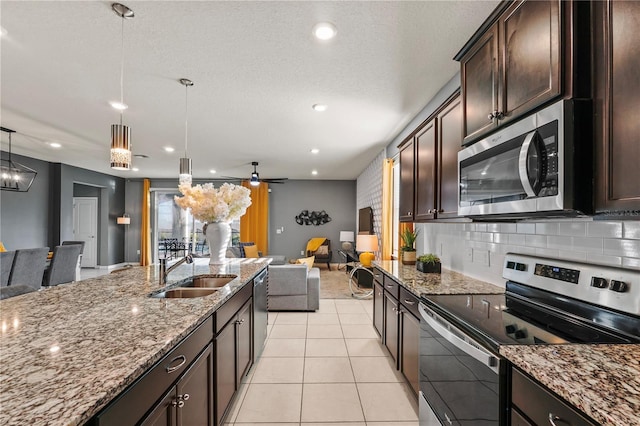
column 549, row 301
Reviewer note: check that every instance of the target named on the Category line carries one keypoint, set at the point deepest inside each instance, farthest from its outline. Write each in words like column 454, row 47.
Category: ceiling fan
column 255, row 177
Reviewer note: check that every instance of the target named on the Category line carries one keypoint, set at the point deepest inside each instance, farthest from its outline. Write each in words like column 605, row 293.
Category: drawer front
column 133, row 403
column 377, row 276
column 229, row 309
column 539, row 404
column 391, row 286
column 409, row 301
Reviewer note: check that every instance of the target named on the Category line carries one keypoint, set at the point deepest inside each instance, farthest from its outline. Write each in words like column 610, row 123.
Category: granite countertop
column 66, row 351
column 602, row 381
column 447, row 282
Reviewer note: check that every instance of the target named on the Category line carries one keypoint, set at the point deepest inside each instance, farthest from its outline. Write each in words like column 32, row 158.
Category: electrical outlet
column 138, row 252
column 302, row 252
column 278, row 231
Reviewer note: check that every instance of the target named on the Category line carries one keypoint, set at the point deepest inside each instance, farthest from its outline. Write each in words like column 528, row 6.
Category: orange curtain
column 387, row 208
column 401, row 228
column 254, row 223
column 145, row 231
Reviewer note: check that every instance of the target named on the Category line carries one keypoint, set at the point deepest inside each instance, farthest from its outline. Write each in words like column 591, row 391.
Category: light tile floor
column 324, row 367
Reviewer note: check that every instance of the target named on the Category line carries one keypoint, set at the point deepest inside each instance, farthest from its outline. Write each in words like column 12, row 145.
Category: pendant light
column 121, row 134
column 15, row 176
column 185, row 162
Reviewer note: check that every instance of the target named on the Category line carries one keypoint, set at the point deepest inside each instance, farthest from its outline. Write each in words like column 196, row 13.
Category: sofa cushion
column 251, row 251
column 241, row 246
column 287, row 280
column 306, row 261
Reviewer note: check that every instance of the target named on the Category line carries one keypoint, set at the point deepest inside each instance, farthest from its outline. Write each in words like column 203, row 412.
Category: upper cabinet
column 407, row 173
column 511, row 66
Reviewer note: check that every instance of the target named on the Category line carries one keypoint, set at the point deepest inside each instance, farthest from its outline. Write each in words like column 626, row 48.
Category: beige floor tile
column 359, row 331
column 350, row 308
column 390, row 423
column 354, row 319
column 327, row 306
column 325, row 347
column 365, row 347
column 269, row 328
column 277, row 403
column 334, row 424
column 320, row 331
column 291, row 318
column 271, row 317
column 270, row 424
column 287, row 331
column 335, row 402
column 284, row 348
column 327, row 370
column 375, row 369
column 391, row 402
column 327, row 319
column 278, row 370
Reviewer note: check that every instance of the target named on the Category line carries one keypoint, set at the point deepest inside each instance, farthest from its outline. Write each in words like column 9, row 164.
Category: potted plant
column 408, row 237
column 429, row 263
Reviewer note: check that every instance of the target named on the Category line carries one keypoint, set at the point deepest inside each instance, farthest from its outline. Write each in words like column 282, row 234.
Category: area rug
column 334, row 284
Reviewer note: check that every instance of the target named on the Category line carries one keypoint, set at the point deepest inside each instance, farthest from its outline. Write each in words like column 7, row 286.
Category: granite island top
column 66, row 351
column 602, row 381
column 447, row 282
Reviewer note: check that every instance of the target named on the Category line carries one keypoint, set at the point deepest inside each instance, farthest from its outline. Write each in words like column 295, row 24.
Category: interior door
column 85, row 228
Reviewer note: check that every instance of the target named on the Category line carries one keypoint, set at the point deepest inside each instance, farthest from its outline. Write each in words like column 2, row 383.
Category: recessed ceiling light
column 55, row 145
column 315, row 151
column 314, row 172
column 324, row 31
column 169, row 149
column 319, row 107
column 212, row 171
column 135, row 169
column 118, row 105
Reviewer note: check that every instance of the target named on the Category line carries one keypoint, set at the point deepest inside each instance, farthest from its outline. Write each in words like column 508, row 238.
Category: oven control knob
column 510, row 329
column 521, row 334
column 618, row 286
column 599, row 282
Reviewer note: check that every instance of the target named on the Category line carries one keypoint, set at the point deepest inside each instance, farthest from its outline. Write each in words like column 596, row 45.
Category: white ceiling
column 257, row 70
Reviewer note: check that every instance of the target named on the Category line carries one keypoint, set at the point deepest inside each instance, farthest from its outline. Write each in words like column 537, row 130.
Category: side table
column 352, row 262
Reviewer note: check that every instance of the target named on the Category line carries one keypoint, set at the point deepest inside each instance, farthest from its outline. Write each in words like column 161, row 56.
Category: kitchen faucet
column 164, row 271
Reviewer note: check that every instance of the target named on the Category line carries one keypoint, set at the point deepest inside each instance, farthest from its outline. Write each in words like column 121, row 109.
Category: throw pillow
column 2, row 249
column 307, row 261
column 241, row 246
column 323, row 250
column 251, row 251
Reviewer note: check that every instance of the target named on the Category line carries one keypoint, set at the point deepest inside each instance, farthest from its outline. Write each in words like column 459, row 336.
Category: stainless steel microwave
column 539, row 166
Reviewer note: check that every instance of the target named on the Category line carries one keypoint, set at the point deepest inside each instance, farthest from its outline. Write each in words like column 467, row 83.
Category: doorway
column 85, row 228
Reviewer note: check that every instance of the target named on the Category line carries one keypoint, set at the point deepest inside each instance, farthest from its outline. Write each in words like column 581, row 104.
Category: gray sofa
column 293, row 288
column 234, row 253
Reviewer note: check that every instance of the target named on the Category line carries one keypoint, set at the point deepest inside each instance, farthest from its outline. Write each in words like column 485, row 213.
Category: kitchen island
column 67, row 351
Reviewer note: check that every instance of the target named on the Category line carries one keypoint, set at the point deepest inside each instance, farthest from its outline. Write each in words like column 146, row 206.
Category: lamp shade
column 346, row 236
column 367, row 242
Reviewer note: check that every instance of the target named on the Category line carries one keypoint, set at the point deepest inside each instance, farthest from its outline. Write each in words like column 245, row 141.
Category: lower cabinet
column 391, row 334
column 409, row 349
column 378, row 307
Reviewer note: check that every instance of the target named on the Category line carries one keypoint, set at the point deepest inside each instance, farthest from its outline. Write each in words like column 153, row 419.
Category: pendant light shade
column 15, row 176
column 121, row 134
column 185, row 176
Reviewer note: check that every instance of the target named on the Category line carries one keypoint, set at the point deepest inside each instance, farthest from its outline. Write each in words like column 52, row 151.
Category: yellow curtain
column 253, row 225
column 401, row 228
column 145, row 231
column 387, row 208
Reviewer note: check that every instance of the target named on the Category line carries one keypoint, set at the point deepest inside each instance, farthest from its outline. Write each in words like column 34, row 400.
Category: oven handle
column 485, row 358
column 522, row 165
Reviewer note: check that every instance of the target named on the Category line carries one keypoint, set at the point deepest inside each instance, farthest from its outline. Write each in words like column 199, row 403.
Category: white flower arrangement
column 210, row 204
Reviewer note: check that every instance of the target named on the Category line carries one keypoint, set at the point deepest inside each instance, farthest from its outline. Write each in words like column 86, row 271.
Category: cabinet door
column 164, row 413
column 425, row 178
column 378, row 307
column 391, row 325
column 410, row 345
column 530, row 38
column 225, row 373
column 617, row 38
column 407, row 172
column 449, row 139
column 479, row 69
column 195, row 392
column 245, row 341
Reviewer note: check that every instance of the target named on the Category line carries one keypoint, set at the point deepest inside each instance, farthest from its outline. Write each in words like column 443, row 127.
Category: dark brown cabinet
column 409, row 351
column 617, row 90
column 407, row 173
column 512, row 67
column 391, row 325
column 378, row 306
column 449, row 124
column 425, row 175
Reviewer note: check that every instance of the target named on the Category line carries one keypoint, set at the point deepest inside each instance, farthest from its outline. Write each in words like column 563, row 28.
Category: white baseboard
column 115, row 266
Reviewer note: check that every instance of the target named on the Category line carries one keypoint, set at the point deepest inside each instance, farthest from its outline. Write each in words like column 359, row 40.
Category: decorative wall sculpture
column 312, row 218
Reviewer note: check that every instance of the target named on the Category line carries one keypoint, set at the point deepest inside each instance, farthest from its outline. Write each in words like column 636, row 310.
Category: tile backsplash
column 478, row 249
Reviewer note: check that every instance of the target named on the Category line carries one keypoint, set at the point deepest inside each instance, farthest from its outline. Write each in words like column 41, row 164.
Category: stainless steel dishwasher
column 260, row 314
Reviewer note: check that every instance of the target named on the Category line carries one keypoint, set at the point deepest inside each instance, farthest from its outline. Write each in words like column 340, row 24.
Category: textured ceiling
column 257, row 70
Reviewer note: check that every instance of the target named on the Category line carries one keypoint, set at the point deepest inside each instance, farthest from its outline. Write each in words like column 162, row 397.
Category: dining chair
column 63, row 265
column 28, row 267
column 6, row 263
column 79, row 265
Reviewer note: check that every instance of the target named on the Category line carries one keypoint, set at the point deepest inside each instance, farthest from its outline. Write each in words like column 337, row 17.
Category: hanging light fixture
column 121, row 134
column 185, row 162
column 255, row 177
column 15, row 176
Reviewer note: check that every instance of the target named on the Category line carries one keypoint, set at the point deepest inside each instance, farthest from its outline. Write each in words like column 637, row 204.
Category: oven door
column 461, row 382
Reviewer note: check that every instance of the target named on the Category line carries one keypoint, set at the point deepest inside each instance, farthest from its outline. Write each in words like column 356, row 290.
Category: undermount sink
column 196, row 286
column 185, row 292
column 210, row 281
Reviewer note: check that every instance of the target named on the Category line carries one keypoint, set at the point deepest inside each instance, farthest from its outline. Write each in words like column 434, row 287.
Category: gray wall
column 24, row 216
column 286, row 201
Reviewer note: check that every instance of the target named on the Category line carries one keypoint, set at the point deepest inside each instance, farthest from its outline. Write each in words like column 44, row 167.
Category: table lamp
column 347, row 240
column 367, row 244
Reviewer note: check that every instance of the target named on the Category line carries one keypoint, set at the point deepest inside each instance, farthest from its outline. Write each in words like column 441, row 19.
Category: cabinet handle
column 491, row 116
column 409, row 213
column 409, row 302
column 178, row 404
column 389, row 286
column 440, row 211
column 380, row 294
column 499, row 115
column 553, row 419
column 170, row 369
column 184, row 397
column 240, row 322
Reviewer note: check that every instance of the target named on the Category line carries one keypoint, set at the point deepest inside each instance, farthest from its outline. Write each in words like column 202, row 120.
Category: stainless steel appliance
column 260, row 314
column 463, row 379
column 540, row 165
